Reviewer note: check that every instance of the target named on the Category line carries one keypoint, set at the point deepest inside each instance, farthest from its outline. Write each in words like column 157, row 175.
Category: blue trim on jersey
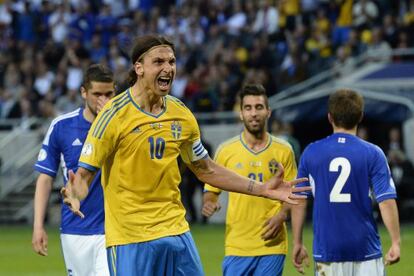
column 147, row 113
column 88, row 167
column 45, row 170
column 106, row 113
column 109, row 114
column 269, row 142
column 385, row 196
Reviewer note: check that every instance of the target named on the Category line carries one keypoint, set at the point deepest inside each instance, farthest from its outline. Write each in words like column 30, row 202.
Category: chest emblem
column 273, row 166
column 176, row 130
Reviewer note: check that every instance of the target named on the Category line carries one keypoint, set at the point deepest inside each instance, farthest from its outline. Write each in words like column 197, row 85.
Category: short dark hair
column 143, row 44
column 97, row 72
column 346, row 107
column 253, row 89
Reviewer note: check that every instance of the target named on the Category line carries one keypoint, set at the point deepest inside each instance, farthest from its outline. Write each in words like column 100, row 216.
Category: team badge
column 87, row 149
column 42, row 155
column 273, row 166
column 176, row 130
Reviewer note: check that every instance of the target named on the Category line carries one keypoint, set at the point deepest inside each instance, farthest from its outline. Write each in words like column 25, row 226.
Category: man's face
column 254, row 114
column 157, row 70
column 99, row 91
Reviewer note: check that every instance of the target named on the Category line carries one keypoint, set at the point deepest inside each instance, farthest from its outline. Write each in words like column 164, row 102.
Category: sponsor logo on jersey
column 176, row 130
column 273, row 166
column 239, row 166
column 77, row 142
column 87, row 149
column 136, row 130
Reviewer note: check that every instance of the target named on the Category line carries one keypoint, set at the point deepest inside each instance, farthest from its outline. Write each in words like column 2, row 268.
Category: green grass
column 17, row 257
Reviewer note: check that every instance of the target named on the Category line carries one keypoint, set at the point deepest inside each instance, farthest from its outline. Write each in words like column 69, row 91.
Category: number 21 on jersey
column 336, row 194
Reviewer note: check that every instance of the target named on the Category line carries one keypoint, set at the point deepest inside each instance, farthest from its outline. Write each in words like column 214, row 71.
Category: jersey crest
column 176, row 130
column 273, row 166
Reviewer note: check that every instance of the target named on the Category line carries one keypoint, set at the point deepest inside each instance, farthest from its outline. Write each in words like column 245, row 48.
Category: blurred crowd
column 46, row 44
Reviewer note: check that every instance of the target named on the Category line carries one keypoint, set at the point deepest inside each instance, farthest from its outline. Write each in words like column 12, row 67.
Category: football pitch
column 17, row 257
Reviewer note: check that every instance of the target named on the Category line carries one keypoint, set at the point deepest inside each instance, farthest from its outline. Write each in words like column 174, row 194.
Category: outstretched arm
column 389, row 214
column 43, row 188
column 210, row 172
column 77, row 189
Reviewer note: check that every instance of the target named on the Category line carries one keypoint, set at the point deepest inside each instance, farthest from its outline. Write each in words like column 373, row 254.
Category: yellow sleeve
column 101, row 140
column 289, row 165
column 192, row 149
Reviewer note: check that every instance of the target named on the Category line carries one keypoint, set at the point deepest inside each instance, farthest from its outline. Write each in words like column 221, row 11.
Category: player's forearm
column 80, row 186
column 389, row 214
column 210, row 172
column 41, row 199
column 298, row 214
column 284, row 211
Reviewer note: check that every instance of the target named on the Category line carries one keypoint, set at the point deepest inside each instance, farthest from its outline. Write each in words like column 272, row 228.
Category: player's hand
column 101, row 103
column 69, row 199
column 300, row 258
column 273, row 225
column 39, row 241
column 277, row 188
column 210, row 207
column 393, row 255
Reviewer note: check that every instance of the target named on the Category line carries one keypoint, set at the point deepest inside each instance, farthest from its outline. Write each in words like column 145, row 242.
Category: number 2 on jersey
column 336, row 195
column 157, row 147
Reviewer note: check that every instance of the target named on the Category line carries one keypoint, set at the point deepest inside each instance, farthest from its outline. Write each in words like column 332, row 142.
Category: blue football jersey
column 62, row 145
column 346, row 173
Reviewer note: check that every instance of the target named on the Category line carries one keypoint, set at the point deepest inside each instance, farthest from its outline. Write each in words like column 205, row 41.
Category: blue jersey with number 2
column 345, row 173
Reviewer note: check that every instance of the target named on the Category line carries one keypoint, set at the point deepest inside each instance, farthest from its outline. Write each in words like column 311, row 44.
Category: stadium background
column 301, row 50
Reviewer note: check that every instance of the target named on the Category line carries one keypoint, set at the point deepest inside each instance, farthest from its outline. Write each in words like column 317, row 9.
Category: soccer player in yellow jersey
column 256, row 237
column 136, row 140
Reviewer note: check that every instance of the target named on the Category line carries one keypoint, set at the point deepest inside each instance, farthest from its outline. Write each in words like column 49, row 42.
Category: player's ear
column 241, row 116
column 330, row 118
column 83, row 92
column 139, row 70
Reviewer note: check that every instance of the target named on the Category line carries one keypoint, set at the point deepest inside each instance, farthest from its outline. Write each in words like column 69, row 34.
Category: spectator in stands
column 267, row 18
column 365, row 14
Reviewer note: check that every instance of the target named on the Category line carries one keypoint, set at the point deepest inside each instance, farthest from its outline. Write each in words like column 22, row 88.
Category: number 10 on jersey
column 157, row 147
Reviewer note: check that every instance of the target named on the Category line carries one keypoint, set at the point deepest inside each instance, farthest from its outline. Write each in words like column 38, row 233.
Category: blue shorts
column 173, row 255
column 261, row 265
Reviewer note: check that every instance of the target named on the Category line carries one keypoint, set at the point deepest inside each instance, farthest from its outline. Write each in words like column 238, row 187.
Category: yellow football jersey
column 137, row 152
column 247, row 214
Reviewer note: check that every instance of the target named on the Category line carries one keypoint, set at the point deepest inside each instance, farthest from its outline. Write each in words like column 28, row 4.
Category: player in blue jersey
column 83, row 240
column 346, row 173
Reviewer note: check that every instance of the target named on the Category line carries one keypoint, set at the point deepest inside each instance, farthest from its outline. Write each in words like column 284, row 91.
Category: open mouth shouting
column 164, row 83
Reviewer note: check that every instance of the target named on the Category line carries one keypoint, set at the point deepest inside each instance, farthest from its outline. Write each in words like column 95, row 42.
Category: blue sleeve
column 49, row 156
column 380, row 175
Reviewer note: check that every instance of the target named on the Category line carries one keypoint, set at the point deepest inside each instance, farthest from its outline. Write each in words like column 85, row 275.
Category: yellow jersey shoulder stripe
column 103, row 121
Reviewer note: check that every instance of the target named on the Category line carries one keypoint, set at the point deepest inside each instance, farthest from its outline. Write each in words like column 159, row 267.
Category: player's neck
column 352, row 131
column 255, row 142
column 146, row 99
column 88, row 115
